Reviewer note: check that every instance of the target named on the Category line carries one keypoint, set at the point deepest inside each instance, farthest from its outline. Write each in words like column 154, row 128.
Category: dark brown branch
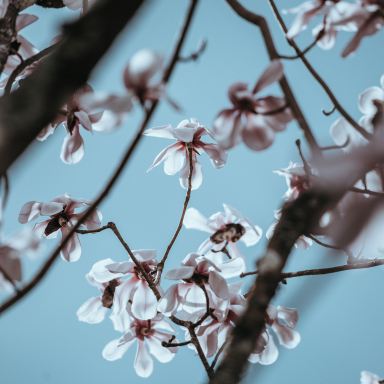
column 170, row 345
column 25, row 112
column 116, row 174
column 160, row 266
column 194, row 56
column 25, row 64
column 330, row 112
column 196, row 343
column 218, row 354
column 367, row 192
column 317, row 77
column 50, row 3
column 261, row 23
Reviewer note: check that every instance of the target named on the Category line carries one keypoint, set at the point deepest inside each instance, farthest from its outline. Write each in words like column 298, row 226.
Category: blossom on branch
column 226, row 229
column 175, row 157
column 62, row 217
column 369, row 378
column 149, row 335
column 253, row 119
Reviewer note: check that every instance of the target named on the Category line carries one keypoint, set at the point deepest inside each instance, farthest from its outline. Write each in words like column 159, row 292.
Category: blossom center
column 231, row 232
column 144, row 329
column 57, row 221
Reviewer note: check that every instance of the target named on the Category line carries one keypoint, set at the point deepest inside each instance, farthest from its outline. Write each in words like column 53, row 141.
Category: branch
column 50, row 3
column 25, row 112
column 261, row 23
column 317, row 77
column 194, row 56
column 160, row 266
column 118, row 171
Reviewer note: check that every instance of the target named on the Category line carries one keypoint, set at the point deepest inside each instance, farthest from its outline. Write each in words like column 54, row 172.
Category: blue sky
column 41, row 340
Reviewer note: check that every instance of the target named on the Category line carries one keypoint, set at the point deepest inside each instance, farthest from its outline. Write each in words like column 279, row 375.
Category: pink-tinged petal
column 84, row 120
column 39, row 230
column 288, row 337
column 339, row 131
column 232, row 268
column 257, row 135
column 122, row 267
column 123, row 293
column 289, row 315
column 180, row 273
column 145, row 254
column 193, row 219
column 94, row 220
column 273, row 73
column 26, row 49
column 24, row 20
column 304, row 14
column 197, row 176
column 184, row 134
column 45, row 132
column 100, row 272
column 194, row 299
column 143, row 362
column 218, row 284
column 369, row 378
column 144, row 302
column 164, row 132
column 270, row 353
column 163, row 325
column 168, row 303
column 227, row 127
column 71, row 251
column 217, row 155
column 175, row 161
column 121, row 321
column 116, row 349
column 367, row 97
column 109, row 122
column 72, row 150
column 163, row 155
column 162, row 354
column 51, row 208
column 92, row 311
column 29, row 212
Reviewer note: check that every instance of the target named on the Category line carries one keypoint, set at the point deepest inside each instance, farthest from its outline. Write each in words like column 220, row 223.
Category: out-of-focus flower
column 135, row 289
column 296, row 179
column 252, row 118
column 303, row 242
column 149, row 335
column 175, row 157
column 201, row 279
column 282, row 321
column 369, row 378
column 11, row 250
column 62, row 217
column 226, row 229
column 78, row 112
column 76, row 4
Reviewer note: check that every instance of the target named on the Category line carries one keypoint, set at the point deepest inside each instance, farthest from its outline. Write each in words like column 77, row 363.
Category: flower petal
column 72, row 150
column 144, row 302
column 92, row 311
column 143, row 361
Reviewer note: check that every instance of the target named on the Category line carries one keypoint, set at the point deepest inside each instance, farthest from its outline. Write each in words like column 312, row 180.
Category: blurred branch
column 317, row 77
column 261, row 23
column 50, row 3
column 25, row 112
column 120, row 167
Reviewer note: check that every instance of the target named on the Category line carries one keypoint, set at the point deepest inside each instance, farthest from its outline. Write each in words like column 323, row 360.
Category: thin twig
column 317, row 77
column 219, row 352
column 305, row 50
column 116, row 174
column 330, row 112
column 170, row 345
column 160, row 266
column 194, row 56
column 261, row 23
column 366, row 192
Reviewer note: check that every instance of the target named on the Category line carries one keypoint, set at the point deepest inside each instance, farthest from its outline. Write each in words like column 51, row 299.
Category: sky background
column 341, row 316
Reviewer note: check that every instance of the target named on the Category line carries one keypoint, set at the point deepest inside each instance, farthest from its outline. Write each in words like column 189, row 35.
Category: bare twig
column 218, row 354
column 194, row 56
column 196, row 343
column 317, row 77
column 116, row 174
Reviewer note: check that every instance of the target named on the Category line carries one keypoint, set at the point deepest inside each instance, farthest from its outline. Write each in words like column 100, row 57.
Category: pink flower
column 149, row 335
column 253, row 119
column 62, row 217
column 282, row 321
column 11, row 251
column 296, row 179
column 176, row 157
column 226, row 229
column 75, row 114
column 135, row 289
column 369, row 378
column 200, row 276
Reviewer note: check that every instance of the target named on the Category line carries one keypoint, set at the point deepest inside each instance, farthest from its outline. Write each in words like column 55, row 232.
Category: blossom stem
column 261, row 23
column 317, row 77
column 115, row 175
column 170, row 345
column 325, row 271
column 194, row 56
column 161, row 264
column 305, row 50
column 218, row 354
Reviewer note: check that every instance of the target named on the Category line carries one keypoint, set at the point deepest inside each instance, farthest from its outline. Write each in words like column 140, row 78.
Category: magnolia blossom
column 282, row 321
column 149, row 335
column 61, row 218
column 78, row 112
column 134, row 288
column 303, row 242
column 226, row 229
column 11, row 250
column 252, row 118
column 77, row 4
column 175, row 157
column 296, row 178
column 369, row 378
column 200, row 279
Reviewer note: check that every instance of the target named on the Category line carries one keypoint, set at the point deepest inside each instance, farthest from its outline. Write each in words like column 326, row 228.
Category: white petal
column 92, row 311
column 115, row 349
column 143, row 361
column 144, row 302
